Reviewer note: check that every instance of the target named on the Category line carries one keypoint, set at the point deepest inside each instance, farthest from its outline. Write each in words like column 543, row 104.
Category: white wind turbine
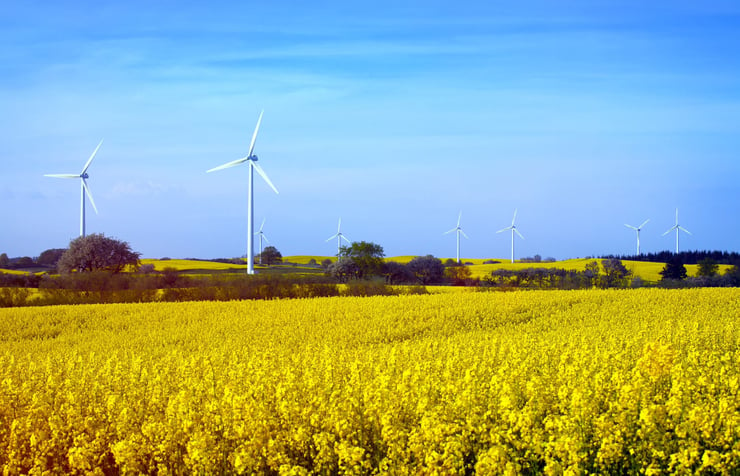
column 339, row 236
column 637, row 229
column 262, row 236
column 251, row 159
column 459, row 232
column 83, row 176
column 678, row 229
column 513, row 230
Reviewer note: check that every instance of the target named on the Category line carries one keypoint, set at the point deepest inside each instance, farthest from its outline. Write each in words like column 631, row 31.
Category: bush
column 14, row 297
column 366, row 288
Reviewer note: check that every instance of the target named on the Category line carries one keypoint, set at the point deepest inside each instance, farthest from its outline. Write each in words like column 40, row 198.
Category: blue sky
column 584, row 115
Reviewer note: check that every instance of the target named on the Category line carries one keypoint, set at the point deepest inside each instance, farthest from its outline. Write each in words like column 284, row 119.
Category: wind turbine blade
column 630, row 226
column 229, row 164
column 685, row 230
column 517, row 232
column 669, row 230
column 62, row 175
column 644, row 223
column 339, row 225
column 264, row 237
column 332, row 237
column 263, row 174
column 89, row 195
column 450, row 231
column 504, row 229
column 345, row 239
column 459, row 217
column 262, row 225
column 514, row 219
column 254, row 136
column 89, row 161
column 463, row 234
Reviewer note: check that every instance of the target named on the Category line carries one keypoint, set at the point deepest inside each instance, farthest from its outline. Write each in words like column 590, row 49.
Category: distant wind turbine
column 83, row 176
column 637, row 229
column 250, row 159
column 262, row 236
column 513, row 230
column 339, row 236
column 678, row 229
column 459, row 232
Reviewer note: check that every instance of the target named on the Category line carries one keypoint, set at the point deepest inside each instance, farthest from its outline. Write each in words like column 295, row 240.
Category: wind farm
column 200, row 322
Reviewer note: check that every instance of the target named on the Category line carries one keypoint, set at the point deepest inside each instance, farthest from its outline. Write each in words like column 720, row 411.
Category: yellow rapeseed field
column 562, row 382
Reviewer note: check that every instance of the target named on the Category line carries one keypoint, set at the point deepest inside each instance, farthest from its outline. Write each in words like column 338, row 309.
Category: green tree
column 458, row 275
column 270, row 255
column 50, row 257
column 708, row 268
column 96, row 252
column 427, row 269
column 367, row 257
column 397, row 273
column 674, row 269
column 343, row 269
column 591, row 272
column 4, row 261
column 615, row 274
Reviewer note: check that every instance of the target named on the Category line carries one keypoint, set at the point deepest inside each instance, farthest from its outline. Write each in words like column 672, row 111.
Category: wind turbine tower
column 513, row 230
column 459, row 232
column 637, row 229
column 262, row 236
column 678, row 229
column 84, row 188
column 339, row 236
column 251, row 160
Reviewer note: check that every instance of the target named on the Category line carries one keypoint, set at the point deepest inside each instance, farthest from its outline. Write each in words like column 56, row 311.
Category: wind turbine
column 83, row 176
column 637, row 229
column 262, row 236
column 513, row 230
column 678, row 229
column 459, row 232
column 339, row 236
column 250, row 159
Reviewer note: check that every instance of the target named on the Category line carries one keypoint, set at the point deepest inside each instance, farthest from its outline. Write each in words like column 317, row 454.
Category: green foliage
column 50, row 257
column 427, row 269
column 343, row 269
column 270, row 255
column 674, row 270
column 708, row 268
column 397, row 273
column 4, row 261
column 366, row 256
column 459, row 275
column 97, row 252
column 14, row 297
column 615, row 274
column 23, row 262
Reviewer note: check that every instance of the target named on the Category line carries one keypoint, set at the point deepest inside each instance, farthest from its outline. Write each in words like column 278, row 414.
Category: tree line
column 686, row 257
